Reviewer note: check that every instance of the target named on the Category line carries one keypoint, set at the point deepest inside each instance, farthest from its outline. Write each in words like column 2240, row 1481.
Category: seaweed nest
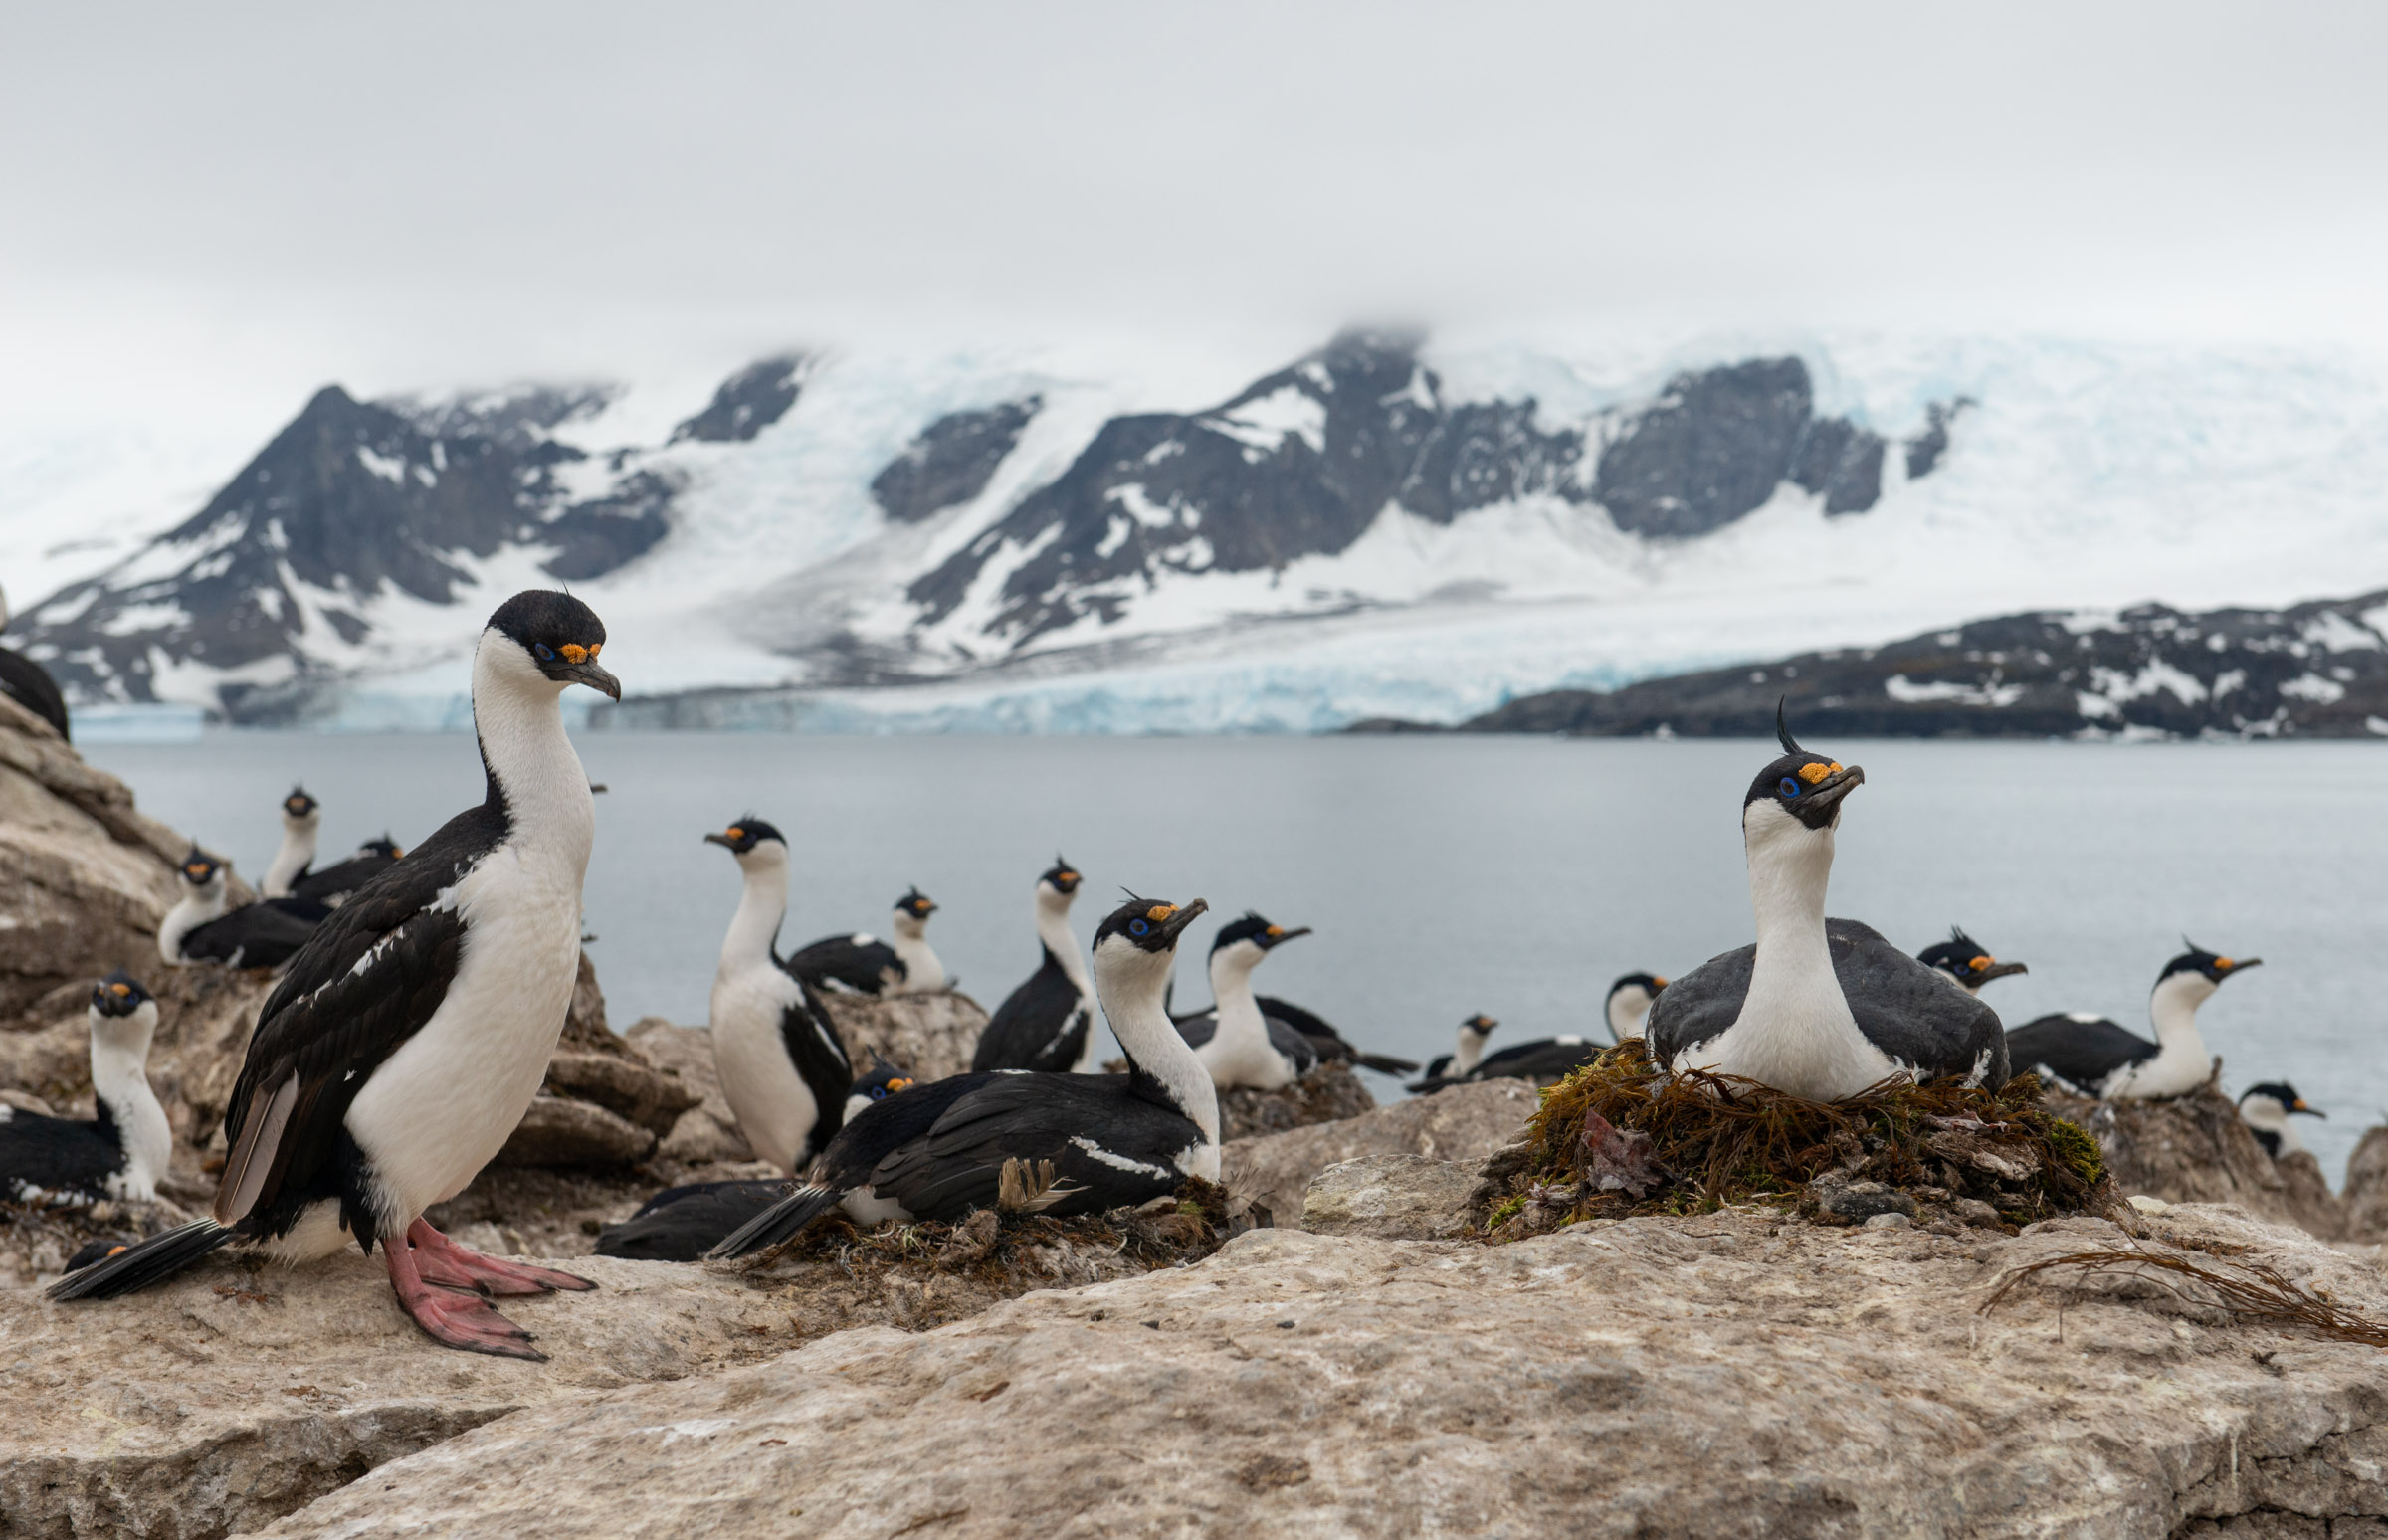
column 1618, row 1138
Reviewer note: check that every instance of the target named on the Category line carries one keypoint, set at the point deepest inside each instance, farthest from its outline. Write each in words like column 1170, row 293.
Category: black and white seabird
column 866, row 965
column 1965, row 962
column 2094, row 1057
column 2267, row 1108
column 782, row 1067
column 1113, row 1140
column 30, row 686
column 1451, row 1068
column 1048, row 1023
column 58, row 1162
column 681, row 1224
column 201, row 929
column 1235, row 1043
column 301, row 822
column 337, row 883
column 1629, row 1002
column 1814, row 1011
column 406, row 1041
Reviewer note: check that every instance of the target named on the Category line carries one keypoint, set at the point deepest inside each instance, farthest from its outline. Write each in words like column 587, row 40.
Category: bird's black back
column 841, row 962
column 2075, row 1053
column 1298, row 1049
column 681, row 1224
column 57, row 1160
column 1039, row 1026
column 1542, row 1058
column 264, row 934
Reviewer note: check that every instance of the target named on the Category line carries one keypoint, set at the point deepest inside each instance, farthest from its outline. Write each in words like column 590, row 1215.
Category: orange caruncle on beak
column 1161, row 911
column 574, row 653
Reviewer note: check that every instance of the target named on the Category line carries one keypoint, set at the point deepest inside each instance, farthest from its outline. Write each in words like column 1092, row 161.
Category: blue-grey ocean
column 1446, row 875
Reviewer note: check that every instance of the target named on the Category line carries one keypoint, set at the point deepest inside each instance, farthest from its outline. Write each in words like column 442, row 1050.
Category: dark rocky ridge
column 748, row 402
column 2315, row 669
column 1302, row 460
column 951, row 461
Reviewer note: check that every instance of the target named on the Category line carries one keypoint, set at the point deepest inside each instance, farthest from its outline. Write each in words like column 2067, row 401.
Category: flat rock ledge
column 1725, row 1375
column 1464, row 1123
column 226, row 1399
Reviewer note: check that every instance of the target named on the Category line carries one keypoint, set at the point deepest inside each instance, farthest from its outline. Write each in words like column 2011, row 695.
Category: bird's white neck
column 762, row 905
column 1240, row 1028
column 922, row 970
column 1795, row 1031
column 2181, row 1061
column 1130, row 992
column 119, row 1082
column 1467, row 1056
column 2269, row 1115
column 1627, row 1010
column 196, row 908
column 529, row 757
column 1053, row 928
column 297, row 852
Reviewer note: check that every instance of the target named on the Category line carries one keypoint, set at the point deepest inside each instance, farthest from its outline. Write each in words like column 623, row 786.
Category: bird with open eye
column 1965, row 962
column 1048, row 1021
column 1105, row 1142
column 862, row 964
column 1818, row 1009
column 2086, row 1052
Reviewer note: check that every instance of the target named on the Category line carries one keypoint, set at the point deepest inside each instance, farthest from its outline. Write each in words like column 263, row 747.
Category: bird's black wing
column 333, row 885
column 1543, row 1059
column 48, row 1161
column 1198, row 1028
column 2077, row 1051
column 1699, row 1005
column 364, row 983
column 255, row 936
column 30, row 686
column 812, row 1046
column 845, row 962
column 1910, row 1012
column 1041, row 1025
column 1331, row 1045
column 681, row 1224
column 1289, row 1041
column 1108, row 1146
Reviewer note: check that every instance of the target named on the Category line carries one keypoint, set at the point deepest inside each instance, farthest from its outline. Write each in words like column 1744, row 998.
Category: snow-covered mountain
column 1379, row 529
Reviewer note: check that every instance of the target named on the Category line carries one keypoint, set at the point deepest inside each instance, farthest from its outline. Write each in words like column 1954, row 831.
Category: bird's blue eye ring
column 1138, row 927
column 1787, row 786
column 878, row 1093
column 545, row 653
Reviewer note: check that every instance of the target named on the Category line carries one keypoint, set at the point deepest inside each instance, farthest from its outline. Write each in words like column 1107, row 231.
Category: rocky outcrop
column 217, row 1402
column 1391, row 1198
column 951, row 461
column 707, row 1131
column 1329, row 1093
column 2316, row 670
column 1726, row 1374
column 748, row 402
column 1464, row 1123
column 2364, row 1213
column 929, row 1034
column 2197, row 1149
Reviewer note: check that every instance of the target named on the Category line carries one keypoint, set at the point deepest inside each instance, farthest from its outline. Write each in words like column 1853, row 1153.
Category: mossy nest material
column 1618, row 1138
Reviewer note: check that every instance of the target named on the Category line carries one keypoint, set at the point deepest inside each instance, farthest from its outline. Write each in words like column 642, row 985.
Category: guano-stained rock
column 1722, row 1375
column 1464, row 1123
column 2197, row 1149
column 1390, row 1198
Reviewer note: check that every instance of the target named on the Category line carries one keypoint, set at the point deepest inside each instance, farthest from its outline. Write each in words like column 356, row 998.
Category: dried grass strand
column 2260, row 1293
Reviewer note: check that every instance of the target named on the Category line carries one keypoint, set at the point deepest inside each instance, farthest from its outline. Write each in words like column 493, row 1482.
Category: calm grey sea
column 1447, row 876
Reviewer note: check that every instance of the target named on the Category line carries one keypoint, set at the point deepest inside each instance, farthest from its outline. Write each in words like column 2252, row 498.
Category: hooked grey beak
column 1999, row 970
column 1175, row 925
column 593, row 676
column 1284, row 936
column 723, row 841
column 2310, row 1112
column 1836, row 786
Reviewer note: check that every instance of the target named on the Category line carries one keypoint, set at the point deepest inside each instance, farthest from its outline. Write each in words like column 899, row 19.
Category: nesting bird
column 1629, row 1002
column 48, row 1161
column 1048, row 1023
column 1235, row 1042
column 1965, row 962
column 2267, row 1108
column 203, row 928
column 1111, row 1140
column 864, row 965
column 408, row 1035
column 1449, row 1069
column 2094, row 1057
column 1816, row 1010
column 301, row 822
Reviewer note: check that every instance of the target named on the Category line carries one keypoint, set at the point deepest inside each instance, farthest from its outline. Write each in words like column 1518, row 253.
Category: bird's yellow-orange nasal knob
column 1815, row 773
column 896, row 1085
column 1161, row 911
column 574, row 653
column 2226, row 965
column 120, row 989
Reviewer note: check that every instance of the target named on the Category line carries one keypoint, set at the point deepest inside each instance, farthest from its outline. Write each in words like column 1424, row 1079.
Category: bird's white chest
column 1795, row 1033
column 1240, row 1053
column 443, row 1104
column 776, row 1110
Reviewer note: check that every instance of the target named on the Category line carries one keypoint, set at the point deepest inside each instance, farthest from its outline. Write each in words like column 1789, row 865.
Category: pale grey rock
column 221, row 1401
column 557, row 1132
column 1728, row 1374
column 930, row 1035
column 2197, row 1149
column 1464, row 1123
column 1390, row 1198
column 2366, row 1198
column 1329, row 1093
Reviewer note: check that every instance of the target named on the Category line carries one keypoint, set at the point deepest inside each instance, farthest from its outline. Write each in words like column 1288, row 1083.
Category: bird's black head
column 2283, row 1094
column 1061, row 876
column 120, row 994
column 562, row 635
column 1648, row 983
column 2213, row 966
column 1966, row 960
column 1800, row 785
column 385, row 845
column 744, row 835
column 200, row 868
column 915, row 904
column 1147, row 924
column 883, row 1080
column 1254, row 928
column 1479, row 1023
column 298, row 804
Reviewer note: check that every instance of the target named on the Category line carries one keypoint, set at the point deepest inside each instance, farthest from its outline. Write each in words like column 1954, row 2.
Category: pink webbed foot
column 456, row 1320
column 442, row 1262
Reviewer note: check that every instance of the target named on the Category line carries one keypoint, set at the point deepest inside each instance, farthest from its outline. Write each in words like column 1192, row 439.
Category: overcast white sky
column 262, row 197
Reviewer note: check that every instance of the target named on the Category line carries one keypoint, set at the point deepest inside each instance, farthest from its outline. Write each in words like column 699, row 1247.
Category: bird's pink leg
column 457, row 1319
column 442, row 1262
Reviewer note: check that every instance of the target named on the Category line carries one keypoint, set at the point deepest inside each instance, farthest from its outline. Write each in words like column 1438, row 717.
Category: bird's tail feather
column 1386, row 1063
column 783, row 1221
column 138, row 1267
